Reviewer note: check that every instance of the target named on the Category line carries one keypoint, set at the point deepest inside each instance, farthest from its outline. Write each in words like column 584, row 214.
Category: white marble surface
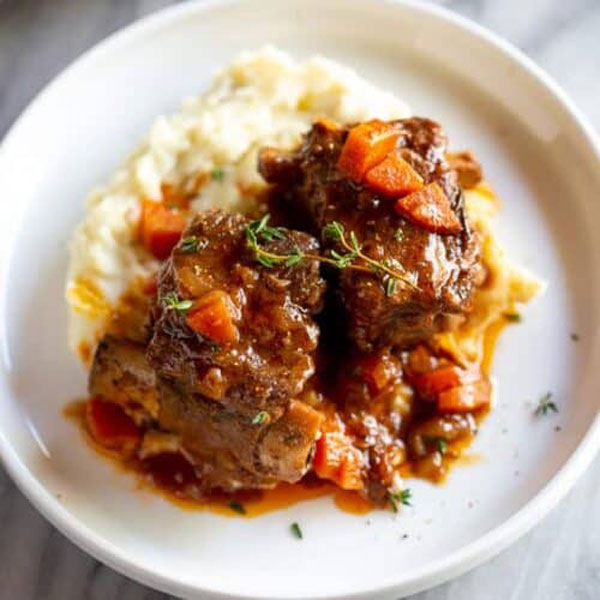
column 558, row 560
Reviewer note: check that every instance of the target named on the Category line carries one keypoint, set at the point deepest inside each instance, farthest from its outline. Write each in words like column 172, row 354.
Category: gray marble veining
column 558, row 560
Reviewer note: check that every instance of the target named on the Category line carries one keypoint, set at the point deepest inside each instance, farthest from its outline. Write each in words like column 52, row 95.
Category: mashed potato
column 262, row 98
column 506, row 284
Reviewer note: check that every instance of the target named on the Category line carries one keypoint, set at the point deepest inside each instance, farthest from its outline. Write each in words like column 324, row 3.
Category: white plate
column 541, row 158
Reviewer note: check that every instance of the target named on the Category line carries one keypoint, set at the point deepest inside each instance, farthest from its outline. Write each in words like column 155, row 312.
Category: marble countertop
column 558, row 560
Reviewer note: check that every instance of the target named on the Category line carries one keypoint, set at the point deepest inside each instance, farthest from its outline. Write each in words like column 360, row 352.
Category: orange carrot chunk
column 214, row 317
column 432, row 383
column 350, row 474
column 338, row 460
column 430, row 209
column 367, row 145
column 160, row 228
column 465, row 398
column 377, row 370
column 111, row 427
column 393, row 177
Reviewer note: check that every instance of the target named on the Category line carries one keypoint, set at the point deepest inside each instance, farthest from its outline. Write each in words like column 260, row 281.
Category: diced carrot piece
column 350, row 473
column 432, row 383
column 367, row 144
column 214, row 316
column 328, row 454
column 394, row 177
column 160, row 228
column 111, row 427
column 420, row 360
column 338, row 460
column 429, row 208
column 377, row 370
column 465, row 398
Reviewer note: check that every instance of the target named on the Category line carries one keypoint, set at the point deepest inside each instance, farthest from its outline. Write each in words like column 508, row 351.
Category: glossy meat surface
column 441, row 271
column 234, row 403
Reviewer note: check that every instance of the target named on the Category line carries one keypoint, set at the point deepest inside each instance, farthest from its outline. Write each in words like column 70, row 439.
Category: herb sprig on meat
column 260, row 231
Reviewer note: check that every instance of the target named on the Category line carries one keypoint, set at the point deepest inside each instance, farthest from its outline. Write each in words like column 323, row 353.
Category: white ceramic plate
column 541, row 158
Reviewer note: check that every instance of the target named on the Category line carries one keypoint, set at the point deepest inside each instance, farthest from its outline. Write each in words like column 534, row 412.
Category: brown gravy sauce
column 169, row 474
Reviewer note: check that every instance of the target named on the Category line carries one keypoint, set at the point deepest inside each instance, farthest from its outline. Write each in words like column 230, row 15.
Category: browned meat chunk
column 121, row 374
column 440, row 272
column 233, row 346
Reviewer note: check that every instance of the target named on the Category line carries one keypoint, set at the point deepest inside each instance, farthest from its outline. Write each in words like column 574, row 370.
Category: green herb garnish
column 545, row 405
column 237, row 507
column 514, row 317
column 189, row 244
column 296, row 531
column 261, row 417
column 440, row 442
column 398, row 235
column 217, row 174
column 386, row 269
column 172, row 302
column 260, row 231
column 403, row 497
column 390, row 286
column 264, row 232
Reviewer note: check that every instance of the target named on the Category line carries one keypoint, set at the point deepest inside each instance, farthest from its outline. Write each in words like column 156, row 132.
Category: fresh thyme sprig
column 260, row 231
column 403, row 497
column 388, row 269
column 545, row 405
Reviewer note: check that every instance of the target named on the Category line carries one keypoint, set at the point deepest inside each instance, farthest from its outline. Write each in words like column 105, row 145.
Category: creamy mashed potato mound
column 262, row 98
column 506, row 285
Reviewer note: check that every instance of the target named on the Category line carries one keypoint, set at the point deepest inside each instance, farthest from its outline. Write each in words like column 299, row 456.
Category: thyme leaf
column 263, row 232
column 217, row 174
column 172, row 302
column 296, row 531
column 189, row 244
column 261, row 417
column 514, row 317
column 400, row 498
column 237, row 507
column 440, row 442
column 545, row 405
column 390, row 286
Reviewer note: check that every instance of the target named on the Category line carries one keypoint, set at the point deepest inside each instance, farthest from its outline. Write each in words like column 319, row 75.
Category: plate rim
column 458, row 562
